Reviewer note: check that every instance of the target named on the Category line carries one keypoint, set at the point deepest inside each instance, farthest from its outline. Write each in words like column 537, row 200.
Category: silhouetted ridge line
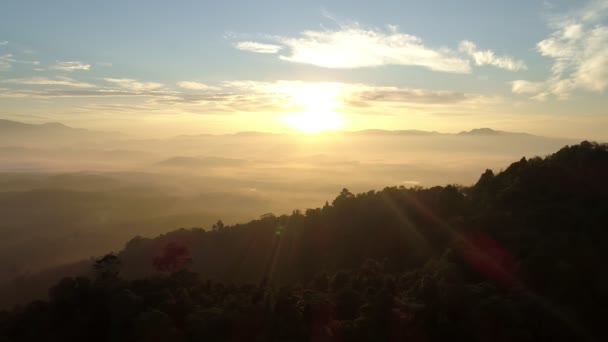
column 514, row 257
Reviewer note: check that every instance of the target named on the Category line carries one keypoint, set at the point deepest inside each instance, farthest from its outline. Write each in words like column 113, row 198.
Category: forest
column 518, row 256
column 70, row 194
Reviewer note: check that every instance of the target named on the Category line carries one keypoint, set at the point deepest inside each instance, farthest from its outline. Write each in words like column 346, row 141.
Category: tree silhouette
column 107, row 267
column 174, row 256
column 513, row 258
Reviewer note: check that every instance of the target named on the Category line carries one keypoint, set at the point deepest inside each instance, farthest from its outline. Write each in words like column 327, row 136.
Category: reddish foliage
column 491, row 260
column 174, row 256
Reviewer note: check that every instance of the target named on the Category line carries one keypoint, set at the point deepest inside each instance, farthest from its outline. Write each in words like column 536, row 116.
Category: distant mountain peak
column 482, row 131
column 485, row 131
column 183, row 161
column 54, row 125
column 14, row 131
column 10, row 124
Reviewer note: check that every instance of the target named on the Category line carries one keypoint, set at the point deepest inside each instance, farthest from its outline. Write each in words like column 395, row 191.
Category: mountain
column 201, row 162
column 489, row 132
column 473, row 132
column 18, row 133
column 515, row 257
column 371, row 132
column 383, row 224
column 57, row 130
column 13, row 127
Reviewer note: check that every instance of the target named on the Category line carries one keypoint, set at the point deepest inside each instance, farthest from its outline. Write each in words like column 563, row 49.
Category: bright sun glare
column 318, row 103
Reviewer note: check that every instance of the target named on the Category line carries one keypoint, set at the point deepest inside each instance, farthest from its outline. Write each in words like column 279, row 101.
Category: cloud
column 6, row 61
column 578, row 47
column 77, row 92
column 71, row 66
column 245, row 96
column 194, row 85
column 121, row 88
column 70, row 93
column 354, row 98
column 408, row 95
column 59, row 81
column 27, row 62
column 4, row 42
column 488, row 57
column 134, row 85
column 258, row 47
column 526, row 87
column 352, row 46
column 283, row 95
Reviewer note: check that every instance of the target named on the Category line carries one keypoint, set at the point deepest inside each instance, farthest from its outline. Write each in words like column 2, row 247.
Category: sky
column 163, row 68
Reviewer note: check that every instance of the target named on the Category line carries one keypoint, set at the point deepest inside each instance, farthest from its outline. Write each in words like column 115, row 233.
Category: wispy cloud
column 352, row 46
column 194, row 85
column 258, row 47
column 526, row 87
column 6, row 61
column 348, row 92
column 27, row 62
column 578, row 46
column 59, row 81
column 246, row 96
column 134, row 85
column 356, row 98
column 489, row 57
column 3, row 42
column 71, row 66
column 60, row 87
column 408, row 95
column 73, row 93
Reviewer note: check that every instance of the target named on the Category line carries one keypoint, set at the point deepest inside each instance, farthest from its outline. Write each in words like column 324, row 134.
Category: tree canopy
column 515, row 257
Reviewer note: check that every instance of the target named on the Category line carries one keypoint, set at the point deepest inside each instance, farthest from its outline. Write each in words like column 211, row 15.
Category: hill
column 489, row 132
column 23, row 134
column 515, row 257
column 187, row 162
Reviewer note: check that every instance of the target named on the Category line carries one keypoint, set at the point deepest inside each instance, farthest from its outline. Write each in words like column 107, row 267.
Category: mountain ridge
column 12, row 130
column 6, row 125
column 445, row 260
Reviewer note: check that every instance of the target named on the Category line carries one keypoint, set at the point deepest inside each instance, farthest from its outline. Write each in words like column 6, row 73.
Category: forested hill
column 562, row 197
column 516, row 257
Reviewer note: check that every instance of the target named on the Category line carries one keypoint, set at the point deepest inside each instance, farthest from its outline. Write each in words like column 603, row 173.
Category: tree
column 219, row 225
column 174, row 256
column 107, row 267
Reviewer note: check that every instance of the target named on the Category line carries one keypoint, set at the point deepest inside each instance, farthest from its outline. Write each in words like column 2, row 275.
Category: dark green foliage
column 372, row 305
column 519, row 256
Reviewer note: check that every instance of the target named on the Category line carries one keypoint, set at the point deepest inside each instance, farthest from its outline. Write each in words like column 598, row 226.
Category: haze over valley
column 69, row 194
column 329, row 171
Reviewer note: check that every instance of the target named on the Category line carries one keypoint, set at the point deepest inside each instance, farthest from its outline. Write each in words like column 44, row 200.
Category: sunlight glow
column 318, row 103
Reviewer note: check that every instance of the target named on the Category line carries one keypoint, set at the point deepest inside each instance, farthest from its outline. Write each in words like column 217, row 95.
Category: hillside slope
column 517, row 256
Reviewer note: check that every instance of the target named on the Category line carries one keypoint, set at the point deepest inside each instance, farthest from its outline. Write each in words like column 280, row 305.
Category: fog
column 69, row 194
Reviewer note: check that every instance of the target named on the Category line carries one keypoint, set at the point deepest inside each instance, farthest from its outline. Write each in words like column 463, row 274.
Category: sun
column 314, row 120
column 317, row 104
